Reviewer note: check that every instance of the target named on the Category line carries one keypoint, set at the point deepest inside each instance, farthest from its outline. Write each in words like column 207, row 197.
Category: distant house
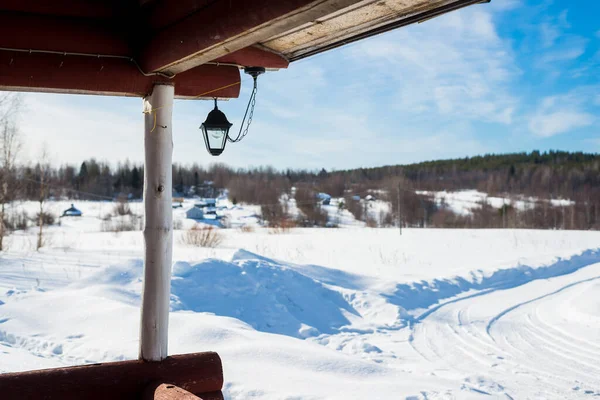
column 203, row 209
column 195, row 213
column 72, row 212
column 324, row 198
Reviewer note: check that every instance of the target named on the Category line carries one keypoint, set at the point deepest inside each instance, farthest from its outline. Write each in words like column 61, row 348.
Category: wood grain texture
column 199, row 373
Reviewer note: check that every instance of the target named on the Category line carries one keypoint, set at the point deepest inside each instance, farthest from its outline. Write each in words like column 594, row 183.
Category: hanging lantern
column 216, row 127
column 215, row 131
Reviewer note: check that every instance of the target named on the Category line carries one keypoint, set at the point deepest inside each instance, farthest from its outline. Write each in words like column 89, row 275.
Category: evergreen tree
column 83, row 172
column 136, row 179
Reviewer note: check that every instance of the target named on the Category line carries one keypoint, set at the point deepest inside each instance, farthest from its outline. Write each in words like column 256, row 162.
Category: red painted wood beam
column 108, row 76
column 159, row 14
column 255, row 57
column 222, row 27
column 74, row 8
column 199, row 373
column 77, row 35
column 39, row 32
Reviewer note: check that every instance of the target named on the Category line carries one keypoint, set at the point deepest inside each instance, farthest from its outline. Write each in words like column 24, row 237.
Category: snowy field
column 347, row 313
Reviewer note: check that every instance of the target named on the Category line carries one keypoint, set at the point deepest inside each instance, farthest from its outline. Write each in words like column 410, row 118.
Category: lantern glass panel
column 215, row 139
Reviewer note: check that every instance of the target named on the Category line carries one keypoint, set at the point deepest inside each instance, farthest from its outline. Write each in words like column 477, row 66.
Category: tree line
column 540, row 176
column 536, row 177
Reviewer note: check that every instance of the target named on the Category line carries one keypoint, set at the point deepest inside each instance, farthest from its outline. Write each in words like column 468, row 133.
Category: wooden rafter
column 58, row 73
column 227, row 26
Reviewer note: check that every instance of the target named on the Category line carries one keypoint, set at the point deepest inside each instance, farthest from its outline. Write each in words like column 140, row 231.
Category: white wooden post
column 158, row 224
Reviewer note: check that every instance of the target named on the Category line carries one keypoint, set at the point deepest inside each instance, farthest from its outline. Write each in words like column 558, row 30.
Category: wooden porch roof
column 122, row 47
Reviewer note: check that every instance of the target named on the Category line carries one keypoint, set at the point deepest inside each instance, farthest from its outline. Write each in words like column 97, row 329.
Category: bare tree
column 43, row 168
column 10, row 145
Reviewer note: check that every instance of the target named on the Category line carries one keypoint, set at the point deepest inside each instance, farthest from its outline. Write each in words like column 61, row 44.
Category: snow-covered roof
column 72, row 211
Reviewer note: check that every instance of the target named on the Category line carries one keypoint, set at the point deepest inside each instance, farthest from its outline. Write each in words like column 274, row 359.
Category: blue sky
column 500, row 77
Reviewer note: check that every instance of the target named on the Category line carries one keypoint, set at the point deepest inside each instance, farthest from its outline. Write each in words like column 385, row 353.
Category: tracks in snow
column 535, row 337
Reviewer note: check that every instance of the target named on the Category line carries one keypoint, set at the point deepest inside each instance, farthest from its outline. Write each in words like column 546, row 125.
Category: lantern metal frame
column 216, row 119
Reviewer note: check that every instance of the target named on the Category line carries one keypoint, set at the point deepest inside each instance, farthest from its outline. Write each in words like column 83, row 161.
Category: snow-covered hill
column 322, row 313
column 464, row 201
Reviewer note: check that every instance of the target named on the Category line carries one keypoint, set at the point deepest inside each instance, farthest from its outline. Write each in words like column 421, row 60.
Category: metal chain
column 255, row 90
column 243, row 132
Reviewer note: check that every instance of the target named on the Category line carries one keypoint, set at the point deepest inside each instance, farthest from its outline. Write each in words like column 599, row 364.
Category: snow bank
column 266, row 295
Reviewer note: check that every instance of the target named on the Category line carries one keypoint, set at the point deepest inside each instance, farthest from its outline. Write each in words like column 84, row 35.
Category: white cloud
column 456, row 66
column 570, row 50
column 558, row 44
column 555, row 47
column 553, row 123
column 566, row 112
column 549, row 34
column 504, row 5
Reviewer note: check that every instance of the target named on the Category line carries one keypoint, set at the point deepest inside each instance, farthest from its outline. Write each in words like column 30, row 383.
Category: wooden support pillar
column 158, row 225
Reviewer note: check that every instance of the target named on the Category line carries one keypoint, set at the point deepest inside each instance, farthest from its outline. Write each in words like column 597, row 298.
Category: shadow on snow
column 268, row 296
